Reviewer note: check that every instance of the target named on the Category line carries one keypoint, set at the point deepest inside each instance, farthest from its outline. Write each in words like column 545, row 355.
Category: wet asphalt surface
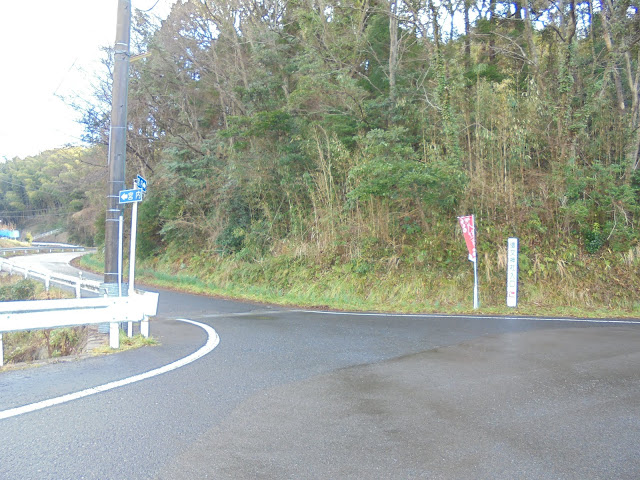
column 298, row 394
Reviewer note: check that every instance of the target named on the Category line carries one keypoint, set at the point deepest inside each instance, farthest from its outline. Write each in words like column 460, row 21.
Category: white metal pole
column 475, row 283
column 132, row 256
column 132, row 251
column 114, row 335
column 120, row 233
column 144, row 327
column 475, row 266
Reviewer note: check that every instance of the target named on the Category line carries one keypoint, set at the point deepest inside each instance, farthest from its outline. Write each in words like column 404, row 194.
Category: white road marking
column 212, row 342
column 630, row 321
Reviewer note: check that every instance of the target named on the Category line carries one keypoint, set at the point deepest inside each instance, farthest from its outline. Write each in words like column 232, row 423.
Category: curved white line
column 212, row 342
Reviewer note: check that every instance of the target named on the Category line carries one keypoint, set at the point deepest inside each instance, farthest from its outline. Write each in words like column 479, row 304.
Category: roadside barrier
column 42, row 248
column 46, row 314
column 78, row 283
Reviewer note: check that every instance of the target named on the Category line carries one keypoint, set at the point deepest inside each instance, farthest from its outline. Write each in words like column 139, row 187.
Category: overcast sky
column 51, row 47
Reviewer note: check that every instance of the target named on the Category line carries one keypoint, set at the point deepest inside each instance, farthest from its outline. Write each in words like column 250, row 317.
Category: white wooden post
column 47, row 283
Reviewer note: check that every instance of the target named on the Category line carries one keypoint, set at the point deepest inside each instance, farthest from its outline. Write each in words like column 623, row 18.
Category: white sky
column 49, row 47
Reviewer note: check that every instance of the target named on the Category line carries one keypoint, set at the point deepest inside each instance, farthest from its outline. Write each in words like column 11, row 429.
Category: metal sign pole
column 476, row 302
column 120, row 228
column 132, row 258
column 475, row 284
column 132, row 252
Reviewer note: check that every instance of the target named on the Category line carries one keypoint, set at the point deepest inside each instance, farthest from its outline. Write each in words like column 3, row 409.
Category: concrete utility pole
column 117, row 146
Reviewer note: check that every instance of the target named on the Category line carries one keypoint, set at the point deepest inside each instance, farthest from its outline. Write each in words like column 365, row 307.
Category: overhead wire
column 154, row 6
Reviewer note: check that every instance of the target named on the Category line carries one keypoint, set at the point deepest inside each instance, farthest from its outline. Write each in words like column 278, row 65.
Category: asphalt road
column 316, row 395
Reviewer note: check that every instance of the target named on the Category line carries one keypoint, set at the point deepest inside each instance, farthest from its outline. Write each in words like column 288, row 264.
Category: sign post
column 467, row 223
column 132, row 251
column 120, row 231
column 134, row 196
column 512, row 272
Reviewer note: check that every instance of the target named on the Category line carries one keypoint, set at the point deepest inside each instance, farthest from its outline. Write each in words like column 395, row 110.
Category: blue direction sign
column 130, row 196
column 142, row 183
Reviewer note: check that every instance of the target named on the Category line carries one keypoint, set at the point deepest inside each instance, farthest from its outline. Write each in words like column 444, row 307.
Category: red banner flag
column 469, row 231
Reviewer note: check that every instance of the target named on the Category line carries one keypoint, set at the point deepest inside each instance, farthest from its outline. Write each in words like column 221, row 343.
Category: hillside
column 322, row 151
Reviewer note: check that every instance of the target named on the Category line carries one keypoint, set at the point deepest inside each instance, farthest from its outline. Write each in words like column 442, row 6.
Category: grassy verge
column 126, row 343
column 8, row 243
column 389, row 287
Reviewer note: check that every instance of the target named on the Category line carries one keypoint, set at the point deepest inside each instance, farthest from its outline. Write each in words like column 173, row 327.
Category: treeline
column 334, row 125
column 62, row 188
column 354, row 132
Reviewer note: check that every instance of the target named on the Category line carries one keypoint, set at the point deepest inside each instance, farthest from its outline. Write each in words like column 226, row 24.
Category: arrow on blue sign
column 142, row 183
column 130, row 196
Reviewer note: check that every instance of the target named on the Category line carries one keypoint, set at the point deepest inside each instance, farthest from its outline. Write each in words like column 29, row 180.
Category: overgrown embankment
column 416, row 280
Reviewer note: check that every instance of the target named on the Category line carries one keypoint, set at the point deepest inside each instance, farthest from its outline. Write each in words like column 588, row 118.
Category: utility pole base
column 112, row 290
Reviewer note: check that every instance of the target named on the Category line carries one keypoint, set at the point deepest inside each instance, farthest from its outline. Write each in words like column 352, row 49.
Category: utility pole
column 117, row 146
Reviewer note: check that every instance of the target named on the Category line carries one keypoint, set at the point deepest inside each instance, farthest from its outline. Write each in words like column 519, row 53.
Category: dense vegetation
column 57, row 189
column 301, row 145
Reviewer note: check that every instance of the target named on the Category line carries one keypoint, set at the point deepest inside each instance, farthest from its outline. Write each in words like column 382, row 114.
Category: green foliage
column 22, row 290
column 594, row 238
column 44, row 188
column 392, row 169
column 278, row 141
column 600, row 203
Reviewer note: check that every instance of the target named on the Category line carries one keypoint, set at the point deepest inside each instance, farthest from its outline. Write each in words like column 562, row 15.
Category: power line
column 37, row 211
column 154, row 6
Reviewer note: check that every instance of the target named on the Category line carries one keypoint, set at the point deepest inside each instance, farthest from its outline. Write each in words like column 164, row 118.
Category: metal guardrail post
column 114, row 335
column 144, row 327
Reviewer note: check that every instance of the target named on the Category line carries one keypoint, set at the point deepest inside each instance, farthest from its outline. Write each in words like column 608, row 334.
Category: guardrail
column 46, row 234
column 78, row 283
column 44, row 314
column 44, row 247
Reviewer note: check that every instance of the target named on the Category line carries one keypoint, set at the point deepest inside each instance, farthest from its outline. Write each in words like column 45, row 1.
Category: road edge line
column 212, row 342
column 630, row 321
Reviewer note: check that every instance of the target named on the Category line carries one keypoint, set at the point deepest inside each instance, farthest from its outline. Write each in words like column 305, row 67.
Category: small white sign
column 512, row 272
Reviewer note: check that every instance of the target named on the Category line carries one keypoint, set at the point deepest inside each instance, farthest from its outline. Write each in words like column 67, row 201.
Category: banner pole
column 475, row 284
column 475, row 265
